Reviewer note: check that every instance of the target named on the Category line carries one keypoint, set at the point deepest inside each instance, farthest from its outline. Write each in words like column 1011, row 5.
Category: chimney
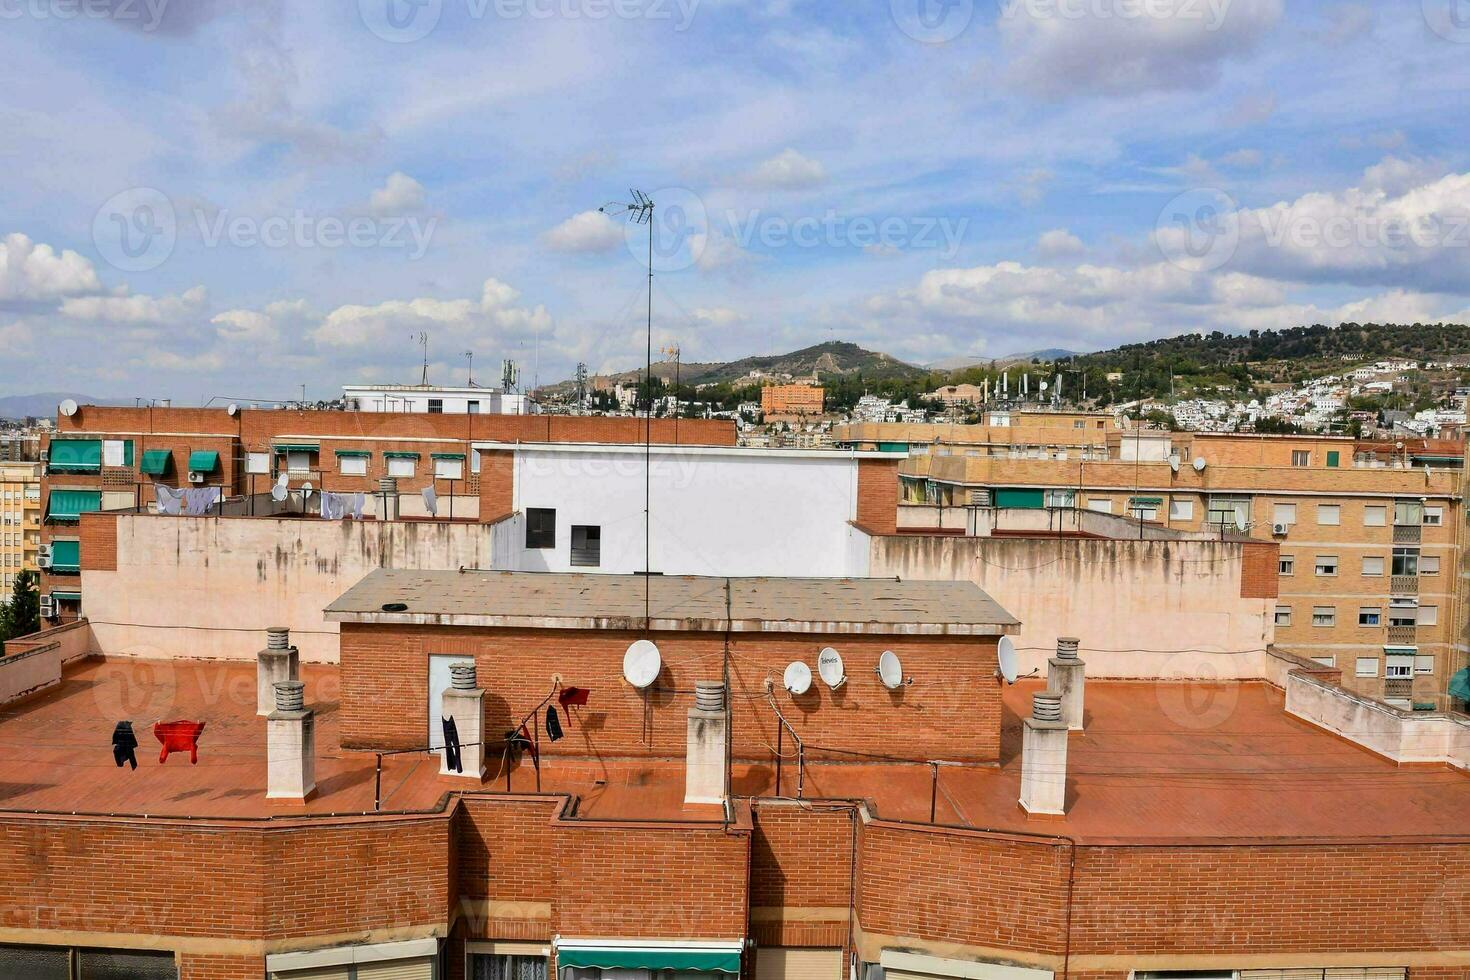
column 704, row 761
column 388, row 498
column 1066, row 675
column 290, row 746
column 1044, row 757
column 279, row 661
column 465, row 703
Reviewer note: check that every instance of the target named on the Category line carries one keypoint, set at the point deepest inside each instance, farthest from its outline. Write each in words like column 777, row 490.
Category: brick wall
column 497, row 485
column 1258, row 572
column 201, row 966
column 801, row 862
column 877, row 503
column 952, row 711
column 98, row 533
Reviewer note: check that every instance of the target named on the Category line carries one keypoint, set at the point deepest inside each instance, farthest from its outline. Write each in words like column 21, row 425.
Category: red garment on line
column 179, row 736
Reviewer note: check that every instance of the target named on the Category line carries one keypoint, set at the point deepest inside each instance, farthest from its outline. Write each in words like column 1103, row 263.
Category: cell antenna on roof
column 422, row 339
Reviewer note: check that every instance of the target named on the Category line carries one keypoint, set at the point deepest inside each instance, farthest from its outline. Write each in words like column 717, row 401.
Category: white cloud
column 245, row 326
column 494, row 318
column 789, row 170
column 1243, row 159
column 1058, row 243
column 400, row 195
column 137, row 309
column 590, row 231
column 36, row 271
column 717, row 316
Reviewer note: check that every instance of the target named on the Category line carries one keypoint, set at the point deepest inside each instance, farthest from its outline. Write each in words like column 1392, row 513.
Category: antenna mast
column 422, row 339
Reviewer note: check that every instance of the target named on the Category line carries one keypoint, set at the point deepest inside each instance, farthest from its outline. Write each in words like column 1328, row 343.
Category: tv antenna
column 422, row 339
column 639, row 211
column 469, row 356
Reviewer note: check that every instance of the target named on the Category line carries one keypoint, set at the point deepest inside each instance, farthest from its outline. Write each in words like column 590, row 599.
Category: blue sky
column 224, row 197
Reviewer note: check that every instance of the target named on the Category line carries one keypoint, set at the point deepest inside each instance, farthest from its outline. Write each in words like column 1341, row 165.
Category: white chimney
column 465, row 703
column 704, row 761
column 1044, row 757
column 279, row 661
column 1066, row 675
column 290, row 746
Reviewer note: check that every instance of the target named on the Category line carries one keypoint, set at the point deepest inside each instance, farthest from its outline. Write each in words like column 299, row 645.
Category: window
column 1334, row 459
column 1101, row 505
column 1429, row 564
column 436, row 406
column 1374, row 516
column 1301, row 457
column 1326, row 564
column 540, row 527
column 1424, row 664
column 586, row 545
column 474, row 461
column 1328, row 661
column 1283, row 514
column 1434, row 516
column 1398, row 667
column 449, row 469
column 59, row 962
column 1403, row 612
column 352, row 465
column 1287, row 565
column 117, row 452
column 1370, row 616
column 1428, row 615
column 1324, row 615
column 1181, row 510
column 258, row 463
column 1144, row 508
column 401, row 466
column 1408, row 513
column 298, row 462
column 1372, row 566
column 491, row 966
column 1061, row 498
column 1329, row 515
column 1367, row 667
column 1229, row 511
column 1406, row 561
column 472, row 406
column 1283, row 615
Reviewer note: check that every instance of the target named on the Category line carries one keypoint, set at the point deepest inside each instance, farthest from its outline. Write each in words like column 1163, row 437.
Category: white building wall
column 456, row 401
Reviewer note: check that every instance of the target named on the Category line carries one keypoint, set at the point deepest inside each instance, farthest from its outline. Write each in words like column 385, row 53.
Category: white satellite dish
column 306, row 490
column 1240, row 522
column 279, row 492
column 641, row 664
column 1199, row 464
column 68, row 408
column 1175, row 462
column 1010, row 660
column 233, row 409
column 890, row 670
column 798, row 678
column 829, row 665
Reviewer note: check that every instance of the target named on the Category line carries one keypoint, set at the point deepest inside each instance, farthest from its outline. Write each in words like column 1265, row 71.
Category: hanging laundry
column 124, row 745
column 170, row 501
column 553, row 725
column 519, row 740
column 431, row 502
column 573, row 696
column 199, row 500
column 452, row 756
column 179, row 736
column 357, row 502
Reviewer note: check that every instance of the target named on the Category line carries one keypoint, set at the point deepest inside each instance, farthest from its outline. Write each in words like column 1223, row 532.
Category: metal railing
column 1407, row 534
column 1402, row 635
column 1404, row 585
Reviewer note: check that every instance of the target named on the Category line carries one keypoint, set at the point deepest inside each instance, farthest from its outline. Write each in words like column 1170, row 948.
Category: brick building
column 791, row 401
column 20, row 520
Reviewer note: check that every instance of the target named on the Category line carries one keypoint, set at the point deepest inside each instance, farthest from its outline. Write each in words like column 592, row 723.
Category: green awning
column 400, row 455
column 354, row 454
column 459, row 456
column 893, row 447
column 1401, row 651
column 297, row 447
column 70, row 505
column 1020, row 499
column 75, row 456
column 1460, row 685
column 66, row 556
column 66, row 595
column 1145, row 501
column 700, row 959
column 203, row 461
column 156, row 461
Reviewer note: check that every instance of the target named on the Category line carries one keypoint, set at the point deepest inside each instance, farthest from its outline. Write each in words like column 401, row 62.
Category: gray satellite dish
column 279, row 489
column 68, row 408
column 641, row 664
column 890, row 670
column 829, row 665
column 1175, row 462
column 233, row 409
column 1199, row 464
column 306, row 490
column 798, row 678
column 1240, row 522
column 1010, row 661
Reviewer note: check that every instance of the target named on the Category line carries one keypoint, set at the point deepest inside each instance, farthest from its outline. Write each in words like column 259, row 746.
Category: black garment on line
column 452, row 758
column 553, row 725
column 124, row 744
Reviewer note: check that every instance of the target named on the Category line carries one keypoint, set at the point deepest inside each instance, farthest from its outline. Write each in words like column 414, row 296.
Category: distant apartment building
column 1369, row 532
column 20, row 519
column 791, row 401
column 436, row 400
column 964, row 394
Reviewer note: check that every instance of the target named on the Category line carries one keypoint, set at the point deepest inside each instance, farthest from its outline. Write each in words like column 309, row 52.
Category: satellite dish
column 306, row 490
column 829, row 665
column 69, row 408
column 798, row 678
column 890, row 670
column 279, row 491
column 1199, row 464
column 232, row 409
column 1174, row 462
column 1240, row 523
column 641, row 664
column 1010, row 661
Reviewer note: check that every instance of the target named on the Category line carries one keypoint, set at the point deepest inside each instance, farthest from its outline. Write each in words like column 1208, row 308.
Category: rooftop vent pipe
column 290, row 696
column 464, row 677
column 1044, row 757
column 1066, row 674
column 704, row 759
column 709, row 695
column 279, row 661
column 290, row 745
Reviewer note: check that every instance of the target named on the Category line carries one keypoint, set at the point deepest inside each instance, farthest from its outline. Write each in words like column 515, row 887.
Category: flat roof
column 576, row 600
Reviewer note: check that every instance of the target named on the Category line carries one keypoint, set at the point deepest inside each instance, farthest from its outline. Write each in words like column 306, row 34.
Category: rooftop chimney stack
column 1066, row 675
column 704, row 761
column 290, row 745
column 1044, row 757
column 279, row 661
column 465, row 703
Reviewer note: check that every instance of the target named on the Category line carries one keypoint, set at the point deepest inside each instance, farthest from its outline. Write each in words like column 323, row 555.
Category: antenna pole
column 648, row 441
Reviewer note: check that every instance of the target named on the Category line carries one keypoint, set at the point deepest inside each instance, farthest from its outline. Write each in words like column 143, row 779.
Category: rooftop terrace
column 1158, row 761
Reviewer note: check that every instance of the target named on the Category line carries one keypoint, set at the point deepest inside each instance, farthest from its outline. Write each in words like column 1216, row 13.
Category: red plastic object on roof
column 179, row 736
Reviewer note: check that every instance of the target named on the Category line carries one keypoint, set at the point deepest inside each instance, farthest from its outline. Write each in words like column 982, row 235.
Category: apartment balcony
column 1404, row 585
column 1398, row 688
column 1407, row 534
column 1402, row 635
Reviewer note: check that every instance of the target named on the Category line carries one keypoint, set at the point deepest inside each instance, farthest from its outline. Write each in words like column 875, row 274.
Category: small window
column 1301, row 457
column 1372, row 566
column 1433, row 516
column 1328, row 661
column 1102, row 505
column 1403, row 612
column 1408, row 513
column 1424, row 664
column 1283, row 514
column 1326, row 565
column 586, row 545
column 1061, row 498
column 1398, row 667
column 400, row 466
column 1406, row 561
column 1287, row 565
column 500, row 966
column 1283, row 615
column 1429, row 564
column 472, row 407
column 1324, row 615
column 115, row 453
column 449, row 469
column 1329, row 515
column 1428, row 615
column 1375, row 516
column 1181, row 510
column 1370, row 616
column 259, row 463
column 540, row 527
column 352, row 465
column 436, row 406
column 1367, row 667
column 1334, row 459
column 298, row 463
column 474, row 461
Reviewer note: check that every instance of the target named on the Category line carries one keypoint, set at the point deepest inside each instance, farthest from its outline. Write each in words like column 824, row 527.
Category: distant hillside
column 829, row 360
column 43, row 404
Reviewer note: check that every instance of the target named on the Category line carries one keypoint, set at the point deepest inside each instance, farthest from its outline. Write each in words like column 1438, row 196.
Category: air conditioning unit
column 1280, row 530
column 196, row 477
column 48, row 607
column 45, row 455
column 43, row 561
